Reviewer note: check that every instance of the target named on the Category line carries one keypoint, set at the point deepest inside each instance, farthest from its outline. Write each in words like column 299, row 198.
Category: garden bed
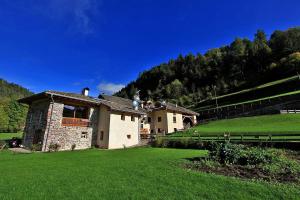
column 250, row 163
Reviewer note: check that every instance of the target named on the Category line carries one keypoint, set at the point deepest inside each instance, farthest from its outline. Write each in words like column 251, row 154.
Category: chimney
column 85, row 91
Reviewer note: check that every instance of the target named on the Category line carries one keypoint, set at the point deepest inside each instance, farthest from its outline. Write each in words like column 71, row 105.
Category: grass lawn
column 140, row 173
column 266, row 123
column 7, row 136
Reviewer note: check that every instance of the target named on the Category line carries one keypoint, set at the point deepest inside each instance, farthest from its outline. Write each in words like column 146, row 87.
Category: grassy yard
column 267, row 123
column 141, row 173
column 7, row 136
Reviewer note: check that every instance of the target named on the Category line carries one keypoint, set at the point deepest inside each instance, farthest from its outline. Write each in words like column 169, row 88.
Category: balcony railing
column 144, row 132
column 67, row 121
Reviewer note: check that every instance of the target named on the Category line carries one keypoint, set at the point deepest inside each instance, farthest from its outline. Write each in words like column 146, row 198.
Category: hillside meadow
column 139, row 173
column 265, row 123
column 8, row 136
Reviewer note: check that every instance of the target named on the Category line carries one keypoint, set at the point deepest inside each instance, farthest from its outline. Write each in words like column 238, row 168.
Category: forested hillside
column 12, row 114
column 243, row 63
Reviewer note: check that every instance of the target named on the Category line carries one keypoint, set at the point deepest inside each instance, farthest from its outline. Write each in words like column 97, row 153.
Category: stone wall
column 66, row 136
column 36, row 122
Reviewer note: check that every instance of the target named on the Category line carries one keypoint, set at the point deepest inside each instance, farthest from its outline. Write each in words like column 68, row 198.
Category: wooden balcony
column 144, row 131
column 67, row 121
column 145, row 134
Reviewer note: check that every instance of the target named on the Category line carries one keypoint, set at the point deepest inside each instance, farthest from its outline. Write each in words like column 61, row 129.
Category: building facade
column 78, row 121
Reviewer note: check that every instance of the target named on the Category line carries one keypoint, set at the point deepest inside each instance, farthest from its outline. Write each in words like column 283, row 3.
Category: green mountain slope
column 12, row 114
column 242, row 64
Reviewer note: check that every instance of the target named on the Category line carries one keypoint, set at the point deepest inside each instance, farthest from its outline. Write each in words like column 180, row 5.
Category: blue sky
column 104, row 44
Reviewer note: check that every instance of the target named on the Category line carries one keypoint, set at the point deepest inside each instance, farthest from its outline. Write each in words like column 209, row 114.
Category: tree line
column 12, row 113
column 189, row 79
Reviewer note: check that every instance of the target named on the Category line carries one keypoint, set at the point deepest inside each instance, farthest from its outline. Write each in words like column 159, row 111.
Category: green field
column 264, row 123
column 284, row 127
column 7, row 136
column 141, row 173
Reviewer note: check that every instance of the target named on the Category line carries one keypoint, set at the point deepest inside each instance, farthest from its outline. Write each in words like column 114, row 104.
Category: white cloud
column 110, row 88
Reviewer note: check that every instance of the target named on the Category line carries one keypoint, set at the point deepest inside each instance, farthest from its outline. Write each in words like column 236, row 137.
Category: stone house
column 109, row 122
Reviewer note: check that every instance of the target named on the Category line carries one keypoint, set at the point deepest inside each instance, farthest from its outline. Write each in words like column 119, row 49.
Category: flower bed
column 249, row 162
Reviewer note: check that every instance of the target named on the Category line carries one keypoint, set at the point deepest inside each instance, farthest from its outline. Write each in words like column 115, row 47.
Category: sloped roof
column 114, row 105
column 115, row 99
column 174, row 107
column 113, row 102
column 168, row 106
column 74, row 96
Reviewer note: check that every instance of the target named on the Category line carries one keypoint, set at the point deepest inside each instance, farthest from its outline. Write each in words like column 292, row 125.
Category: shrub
column 54, row 147
column 159, row 142
column 3, row 145
column 36, row 147
column 256, row 156
column 186, row 143
column 228, row 153
column 280, row 164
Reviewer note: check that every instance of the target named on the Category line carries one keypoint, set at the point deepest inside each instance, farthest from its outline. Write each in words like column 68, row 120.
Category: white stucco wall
column 171, row 125
column 119, row 129
column 163, row 125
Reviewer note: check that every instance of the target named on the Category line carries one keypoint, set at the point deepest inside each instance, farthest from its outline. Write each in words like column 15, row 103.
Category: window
column 142, row 125
column 174, row 119
column 101, row 135
column 152, row 131
column 159, row 130
column 123, row 117
column 128, row 136
column 175, row 129
column 159, row 119
column 149, row 119
column 132, row 118
column 84, row 135
column 75, row 112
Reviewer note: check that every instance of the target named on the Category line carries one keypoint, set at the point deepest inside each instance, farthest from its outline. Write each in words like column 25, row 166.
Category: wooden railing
column 67, row 121
column 144, row 131
column 289, row 136
column 145, row 134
